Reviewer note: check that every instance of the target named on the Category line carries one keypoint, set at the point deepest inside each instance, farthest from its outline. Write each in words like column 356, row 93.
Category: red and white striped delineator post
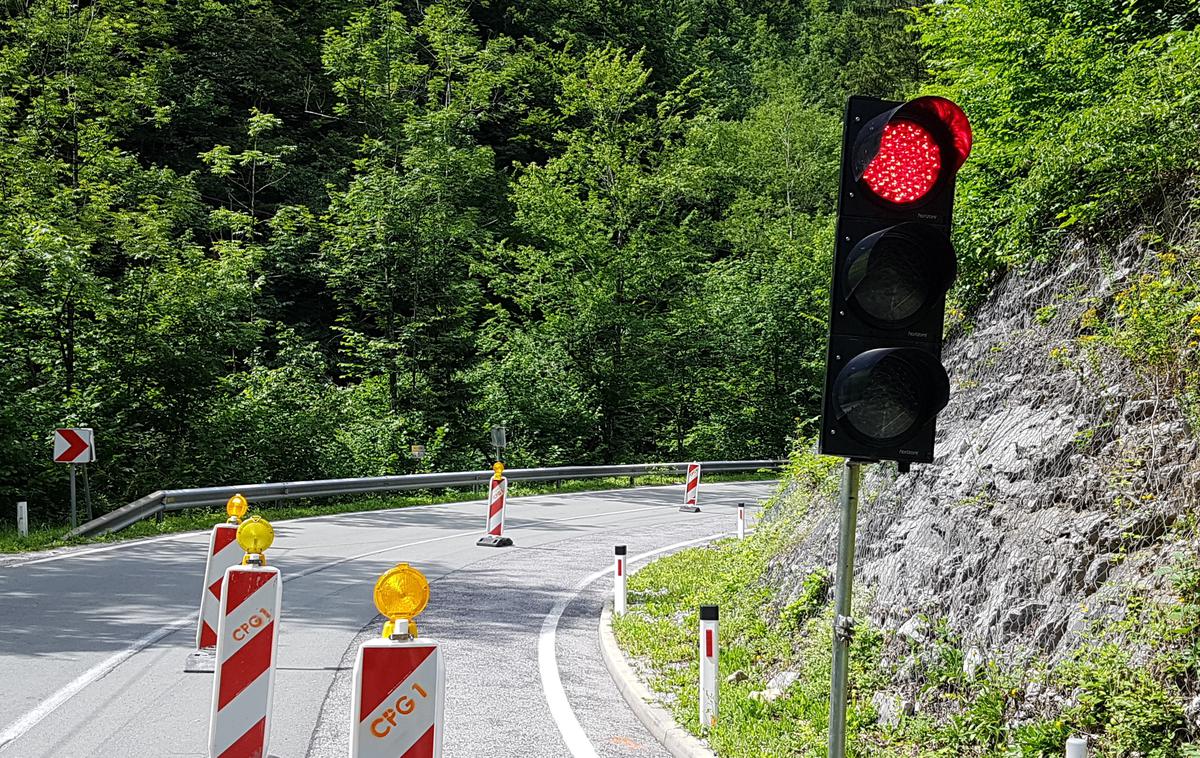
column 247, row 640
column 619, row 581
column 398, row 700
column 741, row 526
column 710, row 654
column 223, row 553
column 497, row 494
column 691, row 490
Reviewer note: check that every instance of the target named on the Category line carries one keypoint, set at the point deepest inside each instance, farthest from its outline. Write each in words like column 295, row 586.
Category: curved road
column 93, row 641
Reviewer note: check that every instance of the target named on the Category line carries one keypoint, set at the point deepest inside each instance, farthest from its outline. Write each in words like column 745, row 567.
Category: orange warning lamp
column 498, row 467
column 255, row 536
column 236, row 508
column 401, row 594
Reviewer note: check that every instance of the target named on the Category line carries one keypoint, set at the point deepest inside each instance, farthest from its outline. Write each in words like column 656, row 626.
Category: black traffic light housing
column 893, row 264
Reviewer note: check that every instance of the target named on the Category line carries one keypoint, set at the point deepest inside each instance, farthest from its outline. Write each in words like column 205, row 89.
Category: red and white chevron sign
column 691, row 490
column 223, row 553
column 247, row 640
column 496, row 497
column 398, row 700
column 74, row 446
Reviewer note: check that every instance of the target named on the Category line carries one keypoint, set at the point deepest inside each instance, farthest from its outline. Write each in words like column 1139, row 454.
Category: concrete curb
column 678, row 742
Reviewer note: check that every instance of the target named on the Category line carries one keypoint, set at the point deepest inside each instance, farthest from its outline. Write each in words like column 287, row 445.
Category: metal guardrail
column 162, row 501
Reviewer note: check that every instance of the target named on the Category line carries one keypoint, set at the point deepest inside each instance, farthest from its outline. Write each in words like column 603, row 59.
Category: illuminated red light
column 907, row 165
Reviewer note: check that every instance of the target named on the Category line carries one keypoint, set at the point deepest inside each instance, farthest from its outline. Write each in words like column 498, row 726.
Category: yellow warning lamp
column 400, row 595
column 255, row 535
column 236, row 508
column 498, row 467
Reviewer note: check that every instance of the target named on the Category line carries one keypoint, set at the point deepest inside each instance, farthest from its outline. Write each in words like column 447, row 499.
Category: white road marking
column 100, row 670
column 556, row 697
column 103, row 549
column 22, row 725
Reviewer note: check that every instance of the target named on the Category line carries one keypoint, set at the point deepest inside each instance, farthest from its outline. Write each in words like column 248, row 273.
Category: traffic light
column 892, row 267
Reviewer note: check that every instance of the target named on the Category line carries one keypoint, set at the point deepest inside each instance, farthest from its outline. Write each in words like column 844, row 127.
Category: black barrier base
column 491, row 540
column 690, row 508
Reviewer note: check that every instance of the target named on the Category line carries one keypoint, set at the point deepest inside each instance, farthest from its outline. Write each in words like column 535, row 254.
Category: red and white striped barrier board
column 619, row 581
column 494, row 537
column 691, row 490
column 223, row 552
column 398, row 700
column 741, row 526
column 710, row 654
column 247, row 640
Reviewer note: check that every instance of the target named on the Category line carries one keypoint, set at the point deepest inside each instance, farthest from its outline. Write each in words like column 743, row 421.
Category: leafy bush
column 1082, row 113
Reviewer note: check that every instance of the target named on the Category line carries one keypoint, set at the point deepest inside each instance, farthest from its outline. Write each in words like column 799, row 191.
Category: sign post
column 499, row 440
column 74, row 446
column 399, row 693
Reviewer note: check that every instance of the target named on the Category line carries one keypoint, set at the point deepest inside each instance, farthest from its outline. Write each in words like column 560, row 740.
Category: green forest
column 254, row 240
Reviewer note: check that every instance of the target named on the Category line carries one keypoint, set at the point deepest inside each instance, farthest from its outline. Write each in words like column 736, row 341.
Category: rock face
column 1059, row 473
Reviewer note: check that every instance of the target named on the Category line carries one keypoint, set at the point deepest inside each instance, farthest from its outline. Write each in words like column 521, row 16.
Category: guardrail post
column 22, row 519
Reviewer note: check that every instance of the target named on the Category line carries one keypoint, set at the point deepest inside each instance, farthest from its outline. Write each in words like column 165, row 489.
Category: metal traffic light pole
column 843, row 623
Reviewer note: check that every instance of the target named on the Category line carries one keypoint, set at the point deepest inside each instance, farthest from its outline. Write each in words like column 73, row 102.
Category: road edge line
column 569, row 728
column 18, row 728
column 677, row 741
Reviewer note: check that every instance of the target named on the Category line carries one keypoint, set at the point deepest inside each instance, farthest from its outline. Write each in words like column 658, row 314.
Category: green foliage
column 814, row 592
column 607, row 228
column 1080, row 115
column 1156, row 317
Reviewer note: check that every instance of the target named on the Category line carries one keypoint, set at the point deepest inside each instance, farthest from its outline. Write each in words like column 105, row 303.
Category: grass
column 45, row 536
column 758, row 639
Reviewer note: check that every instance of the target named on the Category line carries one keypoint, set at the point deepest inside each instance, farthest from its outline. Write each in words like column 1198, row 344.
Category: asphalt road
column 93, row 642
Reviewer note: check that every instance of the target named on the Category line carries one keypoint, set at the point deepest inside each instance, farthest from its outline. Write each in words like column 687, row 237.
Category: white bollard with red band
column 691, row 490
column 497, row 494
column 399, row 693
column 247, row 641
column 741, row 525
column 710, row 654
column 619, row 581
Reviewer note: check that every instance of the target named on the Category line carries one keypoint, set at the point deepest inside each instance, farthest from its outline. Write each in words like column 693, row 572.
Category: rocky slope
column 1065, row 474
